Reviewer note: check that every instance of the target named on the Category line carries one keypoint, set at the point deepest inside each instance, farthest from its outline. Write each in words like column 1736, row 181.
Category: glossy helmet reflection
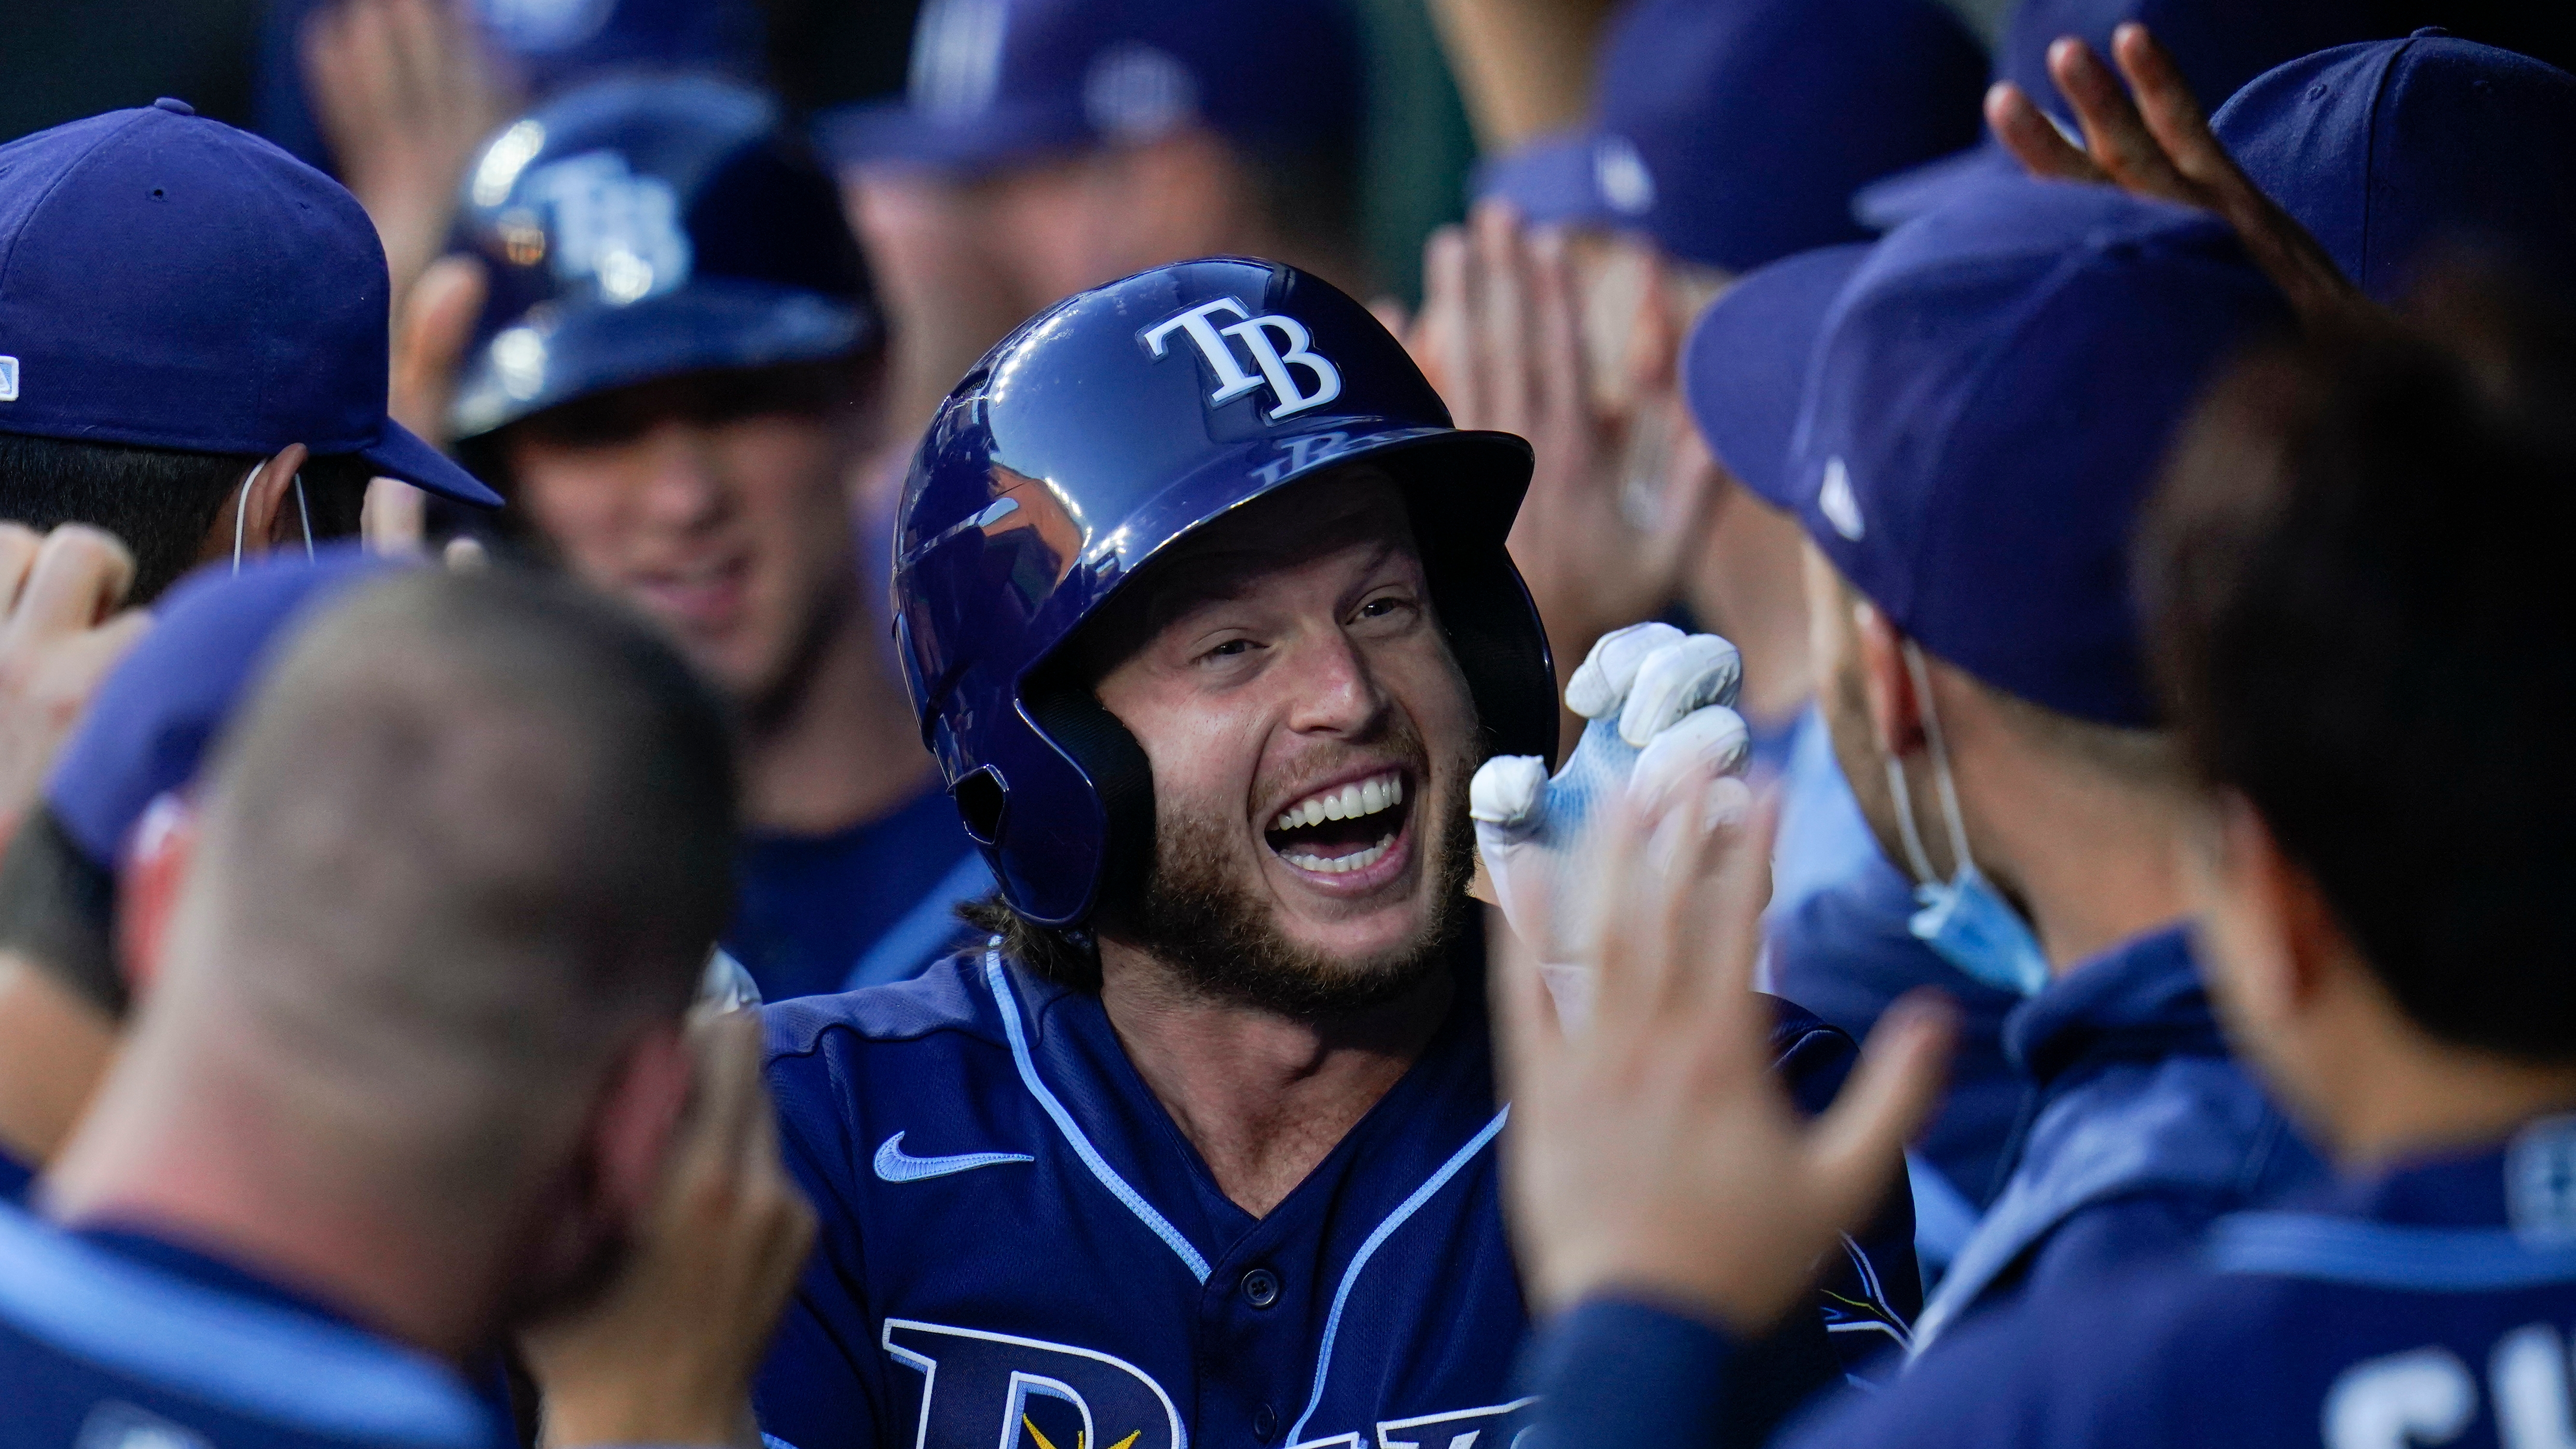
column 1087, row 442
column 648, row 226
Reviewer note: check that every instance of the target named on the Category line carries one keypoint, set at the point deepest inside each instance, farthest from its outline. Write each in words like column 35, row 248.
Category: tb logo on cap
column 1254, row 332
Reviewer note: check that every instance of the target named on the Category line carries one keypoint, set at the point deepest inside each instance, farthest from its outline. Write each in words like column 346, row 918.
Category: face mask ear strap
column 1960, row 861
column 1914, row 854
column 241, row 510
column 306, row 515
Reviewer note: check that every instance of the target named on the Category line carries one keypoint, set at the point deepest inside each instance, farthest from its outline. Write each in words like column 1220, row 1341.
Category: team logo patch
column 1216, row 345
column 2540, row 1182
column 8, row 379
column 980, row 1390
column 117, row 1425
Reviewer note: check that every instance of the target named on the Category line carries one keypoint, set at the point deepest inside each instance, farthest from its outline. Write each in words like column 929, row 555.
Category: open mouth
column 1344, row 829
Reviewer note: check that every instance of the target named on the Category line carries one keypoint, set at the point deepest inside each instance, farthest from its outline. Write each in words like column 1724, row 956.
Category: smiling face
column 716, row 503
column 1311, row 740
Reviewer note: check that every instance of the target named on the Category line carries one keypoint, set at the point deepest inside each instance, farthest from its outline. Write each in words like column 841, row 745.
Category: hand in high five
column 666, row 1354
column 61, row 634
column 1613, row 512
column 2150, row 138
column 1653, row 1151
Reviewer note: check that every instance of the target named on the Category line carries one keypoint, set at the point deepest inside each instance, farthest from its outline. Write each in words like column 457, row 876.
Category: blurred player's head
column 458, row 870
column 192, row 343
column 676, row 370
column 2351, row 570
column 1061, row 144
column 1725, row 134
column 1965, row 418
column 1207, row 613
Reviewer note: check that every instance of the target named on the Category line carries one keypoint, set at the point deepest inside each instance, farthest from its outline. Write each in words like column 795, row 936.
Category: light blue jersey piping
column 237, row 1355
column 2384, row 1255
column 1082, row 1148
column 1385, row 1230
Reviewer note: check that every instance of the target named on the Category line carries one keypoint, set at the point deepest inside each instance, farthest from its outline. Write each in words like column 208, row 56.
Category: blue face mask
column 1965, row 920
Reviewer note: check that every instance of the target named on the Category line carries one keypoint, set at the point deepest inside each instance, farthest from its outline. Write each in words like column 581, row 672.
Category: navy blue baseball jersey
column 113, row 1340
column 1018, row 1245
column 2138, row 1132
column 2428, row 1306
column 859, row 907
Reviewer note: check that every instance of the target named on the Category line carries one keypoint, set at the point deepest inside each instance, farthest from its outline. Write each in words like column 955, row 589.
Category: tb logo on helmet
column 614, row 225
column 1232, row 381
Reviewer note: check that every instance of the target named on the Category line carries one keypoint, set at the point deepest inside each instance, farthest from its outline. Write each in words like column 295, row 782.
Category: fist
column 1661, row 719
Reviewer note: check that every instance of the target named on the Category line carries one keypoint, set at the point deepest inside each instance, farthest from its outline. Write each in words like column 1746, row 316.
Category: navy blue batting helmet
column 644, row 227
column 1091, row 439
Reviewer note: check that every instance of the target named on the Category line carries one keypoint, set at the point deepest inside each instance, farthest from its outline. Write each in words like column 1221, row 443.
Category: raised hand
column 61, row 634
column 1653, row 1151
column 666, row 1354
column 1660, row 722
column 2150, row 138
column 1610, row 519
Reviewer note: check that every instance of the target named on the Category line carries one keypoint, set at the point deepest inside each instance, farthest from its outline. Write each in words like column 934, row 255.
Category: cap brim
column 1744, row 368
column 895, row 134
column 1550, row 181
column 400, row 453
column 1891, row 201
column 709, row 325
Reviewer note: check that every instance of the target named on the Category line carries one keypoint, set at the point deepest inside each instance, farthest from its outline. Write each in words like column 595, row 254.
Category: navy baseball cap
column 996, row 81
column 2219, row 45
column 2381, row 149
column 1985, row 397
column 163, row 706
column 1734, row 131
column 167, row 281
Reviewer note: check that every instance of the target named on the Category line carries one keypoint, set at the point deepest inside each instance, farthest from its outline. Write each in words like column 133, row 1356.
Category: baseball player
column 1046, row 146
column 674, row 378
column 418, row 963
column 192, row 344
column 1206, row 609
column 2323, row 605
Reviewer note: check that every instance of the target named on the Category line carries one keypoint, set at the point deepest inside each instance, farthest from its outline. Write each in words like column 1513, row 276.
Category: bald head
column 487, row 818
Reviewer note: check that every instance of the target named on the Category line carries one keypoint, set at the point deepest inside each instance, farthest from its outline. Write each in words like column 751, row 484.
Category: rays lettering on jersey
column 1255, row 335
column 1490, row 1427
column 980, row 1389
column 2428, row 1396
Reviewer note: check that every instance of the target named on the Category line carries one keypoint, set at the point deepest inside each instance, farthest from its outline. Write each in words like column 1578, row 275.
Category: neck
column 2383, row 1093
column 222, row 1151
column 839, row 747
column 54, row 1048
column 1263, row 1097
column 2092, row 862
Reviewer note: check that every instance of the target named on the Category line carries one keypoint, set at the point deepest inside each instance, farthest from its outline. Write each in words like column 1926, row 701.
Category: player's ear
column 147, row 889
column 269, row 518
column 1887, row 686
column 2274, row 942
column 637, row 1116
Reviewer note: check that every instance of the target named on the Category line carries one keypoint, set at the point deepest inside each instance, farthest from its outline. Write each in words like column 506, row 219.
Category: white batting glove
column 1660, row 705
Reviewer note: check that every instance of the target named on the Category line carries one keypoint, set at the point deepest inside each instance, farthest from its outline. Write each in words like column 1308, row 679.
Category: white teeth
column 1343, row 865
column 1347, row 803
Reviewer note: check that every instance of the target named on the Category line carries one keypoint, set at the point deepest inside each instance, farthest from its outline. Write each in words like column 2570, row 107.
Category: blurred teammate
column 413, row 1060
column 192, row 345
column 1045, row 146
column 2322, row 606
column 1208, row 614
column 1985, row 397
column 673, row 378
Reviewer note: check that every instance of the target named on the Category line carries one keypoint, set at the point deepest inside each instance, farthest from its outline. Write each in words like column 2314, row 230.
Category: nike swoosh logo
column 896, row 1165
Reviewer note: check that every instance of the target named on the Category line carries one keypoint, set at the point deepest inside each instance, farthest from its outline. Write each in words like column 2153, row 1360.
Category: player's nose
column 1332, row 689
column 684, row 476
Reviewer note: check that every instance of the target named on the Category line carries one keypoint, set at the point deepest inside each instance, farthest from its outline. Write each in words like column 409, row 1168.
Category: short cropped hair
column 2356, row 568
column 159, row 502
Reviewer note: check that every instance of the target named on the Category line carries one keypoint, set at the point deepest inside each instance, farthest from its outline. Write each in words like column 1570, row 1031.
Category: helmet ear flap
column 1122, row 779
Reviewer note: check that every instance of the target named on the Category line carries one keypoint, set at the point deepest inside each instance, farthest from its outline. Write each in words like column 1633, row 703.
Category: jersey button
column 1261, row 1287
column 1265, row 1422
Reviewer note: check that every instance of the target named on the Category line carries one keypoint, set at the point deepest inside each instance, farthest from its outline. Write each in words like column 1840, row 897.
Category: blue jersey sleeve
column 1873, row 1290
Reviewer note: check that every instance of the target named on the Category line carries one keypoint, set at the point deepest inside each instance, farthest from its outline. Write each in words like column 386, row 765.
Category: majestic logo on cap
column 613, row 225
column 1835, row 500
column 1255, row 334
column 8, row 379
column 1621, row 174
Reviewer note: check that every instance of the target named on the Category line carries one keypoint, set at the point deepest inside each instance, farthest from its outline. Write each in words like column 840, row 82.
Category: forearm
column 1523, row 66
